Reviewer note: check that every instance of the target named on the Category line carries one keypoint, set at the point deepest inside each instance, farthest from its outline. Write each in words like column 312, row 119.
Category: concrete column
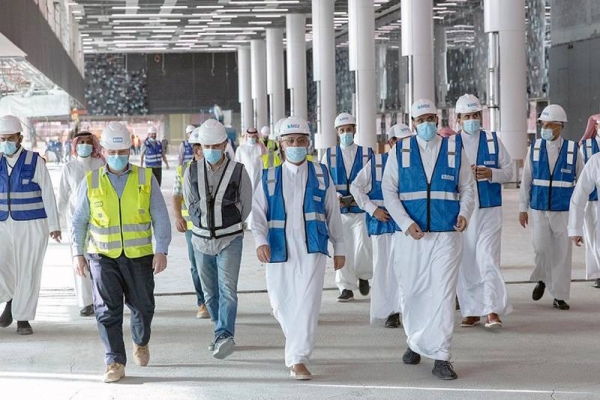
column 324, row 72
column 506, row 19
column 258, row 58
column 362, row 45
column 417, row 44
column 296, row 63
column 441, row 66
column 245, row 88
column 275, row 85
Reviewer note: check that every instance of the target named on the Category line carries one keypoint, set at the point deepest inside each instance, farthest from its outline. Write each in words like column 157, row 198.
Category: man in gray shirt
column 218, row 192
column 118, row 208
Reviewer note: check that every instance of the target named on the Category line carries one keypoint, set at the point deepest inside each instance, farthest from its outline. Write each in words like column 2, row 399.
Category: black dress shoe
column 346, row 296
column 393, row 321
column 23, row 328
column 6, row 318
column 538, row 291
column 560, row 304
column 444, row 370
column 410, row 357
column 597, row 284
column 87, row 311
column 363, row 287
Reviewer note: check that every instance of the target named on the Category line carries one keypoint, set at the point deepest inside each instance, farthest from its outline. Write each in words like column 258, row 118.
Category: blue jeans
column 194, row 268
column 219, row 275
column 112, row 280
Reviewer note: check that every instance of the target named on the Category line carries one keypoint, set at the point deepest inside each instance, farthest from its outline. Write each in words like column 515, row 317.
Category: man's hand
column 381, row 215
column 56, row 236
column 159, row 263
column 415, row 232
column 461, row 224
column 181, row 224
column 578, row 240
column 264, row 253
column 80, row 265
column 339, row 262
column 523, row 219
column 483, row 173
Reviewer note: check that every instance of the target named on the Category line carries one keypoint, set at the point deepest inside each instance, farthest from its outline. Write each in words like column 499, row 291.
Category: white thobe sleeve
column 257, row 171
column 360, row 188
column 389, row 186
column 579, row 167
column 260, row 227
column 505, row 172
column 334, row 220
column 466, row 187
column 526, row 181
column 64, row 191
column 585, row 185
column 42, row 178
column 238, row 154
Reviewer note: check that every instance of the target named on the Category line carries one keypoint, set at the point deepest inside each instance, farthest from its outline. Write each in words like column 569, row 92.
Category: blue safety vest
column 20, row 197
column 552, row 191
column 590, row 147
column 315, row 226
column 153, row 155
column 188, row 152
column 435, row 205
column 490, row 194
column 374, row 226
column 339, row 175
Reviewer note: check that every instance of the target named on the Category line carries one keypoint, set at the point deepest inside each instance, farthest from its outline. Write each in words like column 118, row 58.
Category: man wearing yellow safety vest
column 183, row 223
column 273, row 157
column 118, row 208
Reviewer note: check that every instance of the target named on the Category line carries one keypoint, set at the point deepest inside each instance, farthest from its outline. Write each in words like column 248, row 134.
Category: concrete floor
column 540, row 353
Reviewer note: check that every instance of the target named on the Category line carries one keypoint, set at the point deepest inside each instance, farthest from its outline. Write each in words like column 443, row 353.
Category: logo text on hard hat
column 472, row 105
column 420, row 106
column 117, row 140
column 291, row 126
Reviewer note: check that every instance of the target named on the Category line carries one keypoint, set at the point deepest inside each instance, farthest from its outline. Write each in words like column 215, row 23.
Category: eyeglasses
column 420, row 120
column 300, row 141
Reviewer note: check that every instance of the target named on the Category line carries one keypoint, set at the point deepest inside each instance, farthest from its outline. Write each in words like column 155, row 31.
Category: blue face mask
column 471, row 126
column 426, row 130
column 84, row 150
column 296, row 154
column 346, row 139
column 117, row 162
column 547, row 134
column 212, row 155
column 252, row 140
column 8, row 148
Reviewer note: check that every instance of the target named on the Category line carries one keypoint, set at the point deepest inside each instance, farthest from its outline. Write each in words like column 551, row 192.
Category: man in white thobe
column 428, row 189
column 481, row 290
column 549, row 175
column 296, row 213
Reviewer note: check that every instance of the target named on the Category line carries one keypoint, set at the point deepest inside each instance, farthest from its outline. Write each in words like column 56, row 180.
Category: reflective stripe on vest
column 315, row 225
column 216, row 215
column 552, row 191
column 590, row 147
column 433, row 205
column 271, row 159
column 122, row 224
column 490, row 194
column 335, row 162
column 20, row 196
column 374, row 226
column 153, row 154
column 184, row 210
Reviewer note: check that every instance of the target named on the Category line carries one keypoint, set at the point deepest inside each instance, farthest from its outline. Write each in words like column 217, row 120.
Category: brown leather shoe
column 300, row 372
column 493, row 321
column 469, row 322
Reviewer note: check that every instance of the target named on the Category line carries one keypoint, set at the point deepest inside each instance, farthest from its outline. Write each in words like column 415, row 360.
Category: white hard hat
column 294, row 125
column 344, row 119
column 399, row 131
column 265, row 131
column 211, row 132
column 553, row 113
column 467, row 103
column 152, row 129
column 278, row 126
column 422, row 107
column 194, row 136
column 115, row 136
column 189, row 128
column 9, row 125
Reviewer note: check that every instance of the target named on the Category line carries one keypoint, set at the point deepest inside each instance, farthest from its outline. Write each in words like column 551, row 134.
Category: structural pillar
column 258, row 56
column 417, row 45
column 324, row 72
column 275, row 85
column 296, row 64
column 245, row 88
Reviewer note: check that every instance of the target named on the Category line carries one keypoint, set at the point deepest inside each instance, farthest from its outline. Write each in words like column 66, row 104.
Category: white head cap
column 9, row 125
column 422, row 107
column 116, row 136
column 553, row 113
column 278, row 126
column 344, row 119
column 399, row 131
column 265, row 131
column 211, row 132
column 152, row 129
column 194, row 136
column 294, row 125
column 189, row 129
column 467, row 103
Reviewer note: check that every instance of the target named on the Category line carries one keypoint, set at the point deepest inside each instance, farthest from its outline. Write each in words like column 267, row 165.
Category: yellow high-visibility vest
column 184, row 210
column 120, row 225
